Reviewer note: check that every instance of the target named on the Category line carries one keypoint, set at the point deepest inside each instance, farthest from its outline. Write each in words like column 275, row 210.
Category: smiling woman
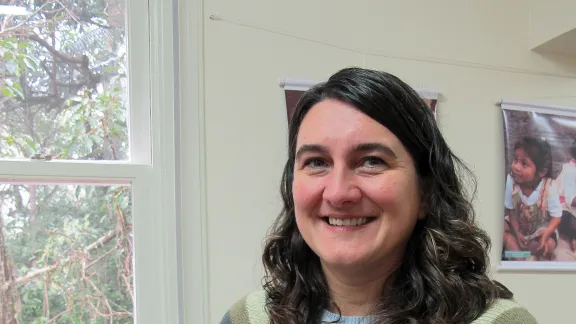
column 376, row 227
column 362, row 171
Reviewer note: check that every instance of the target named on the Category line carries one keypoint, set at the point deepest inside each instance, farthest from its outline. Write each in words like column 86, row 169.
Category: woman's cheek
column 306, row 192
column 386, row 193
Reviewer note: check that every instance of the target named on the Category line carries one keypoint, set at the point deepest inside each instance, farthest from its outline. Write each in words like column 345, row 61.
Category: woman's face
column 356, row 192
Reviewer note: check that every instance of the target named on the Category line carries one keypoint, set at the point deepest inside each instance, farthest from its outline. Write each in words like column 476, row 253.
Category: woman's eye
column 373, row 162
column 314, row 163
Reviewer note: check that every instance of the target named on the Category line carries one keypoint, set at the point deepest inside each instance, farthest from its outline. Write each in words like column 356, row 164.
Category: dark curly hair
column 443, row 276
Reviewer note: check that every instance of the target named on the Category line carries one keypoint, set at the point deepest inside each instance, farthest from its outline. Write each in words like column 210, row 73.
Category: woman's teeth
column 347, row 222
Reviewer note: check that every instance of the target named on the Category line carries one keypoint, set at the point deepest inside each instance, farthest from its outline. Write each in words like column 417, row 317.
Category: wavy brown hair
column 443, row 276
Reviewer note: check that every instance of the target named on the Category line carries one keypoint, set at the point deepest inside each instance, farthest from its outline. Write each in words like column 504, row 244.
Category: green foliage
column 67, row 220
column 63, row 93
column 64, row 82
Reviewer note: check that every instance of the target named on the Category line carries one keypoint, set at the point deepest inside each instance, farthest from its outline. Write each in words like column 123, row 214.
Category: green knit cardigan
column 251, row 310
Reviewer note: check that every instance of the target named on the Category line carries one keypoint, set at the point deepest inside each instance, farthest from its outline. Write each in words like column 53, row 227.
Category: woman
column 375, row 227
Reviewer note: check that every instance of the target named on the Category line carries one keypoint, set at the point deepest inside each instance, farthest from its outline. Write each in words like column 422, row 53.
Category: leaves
column 7, row 92
column 72, row 219
column 63, row 93
column 13, row 88
column 31, row 63
column 66, row 84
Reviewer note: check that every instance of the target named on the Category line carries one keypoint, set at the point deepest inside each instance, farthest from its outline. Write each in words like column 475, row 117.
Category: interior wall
column 550, row 19
column 473, row 52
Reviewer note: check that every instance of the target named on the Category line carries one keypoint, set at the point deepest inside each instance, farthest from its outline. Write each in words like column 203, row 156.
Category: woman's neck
column 357, row 293
column 355, row 299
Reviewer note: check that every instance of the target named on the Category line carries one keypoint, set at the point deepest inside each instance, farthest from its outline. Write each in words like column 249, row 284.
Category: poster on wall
column 539, row 219
column 294, row 89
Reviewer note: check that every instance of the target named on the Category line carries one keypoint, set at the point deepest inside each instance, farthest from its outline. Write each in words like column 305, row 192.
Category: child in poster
column 533, row 208
column 566, row 182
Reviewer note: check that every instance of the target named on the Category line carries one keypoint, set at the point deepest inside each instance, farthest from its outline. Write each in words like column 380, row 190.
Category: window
column 87, row 166
column 67, row 252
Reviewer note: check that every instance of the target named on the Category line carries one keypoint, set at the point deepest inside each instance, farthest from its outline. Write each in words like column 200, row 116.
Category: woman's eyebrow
column 360, row 148
column 375, row 146
column 310, row 148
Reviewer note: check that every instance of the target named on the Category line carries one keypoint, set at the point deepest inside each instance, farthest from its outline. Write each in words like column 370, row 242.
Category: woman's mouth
column 357, row 221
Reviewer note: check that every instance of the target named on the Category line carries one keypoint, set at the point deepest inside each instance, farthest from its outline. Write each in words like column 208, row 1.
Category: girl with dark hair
column 376, row 226
column 532, row 203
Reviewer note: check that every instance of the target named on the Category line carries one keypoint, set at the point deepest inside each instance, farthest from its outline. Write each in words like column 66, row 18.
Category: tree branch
column 90, row 21
column 33, row 274
column 6, row 31
column 101, row 241
column 68, row 11
column 51, row 49
column 53, row 319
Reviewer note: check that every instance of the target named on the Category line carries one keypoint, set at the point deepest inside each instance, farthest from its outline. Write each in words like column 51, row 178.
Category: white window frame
column 152, row 171
column 191, row 163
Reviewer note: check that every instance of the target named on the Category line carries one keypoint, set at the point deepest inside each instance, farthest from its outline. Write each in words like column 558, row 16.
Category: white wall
column 552, row 26
column 550, row 19
column 473, row 52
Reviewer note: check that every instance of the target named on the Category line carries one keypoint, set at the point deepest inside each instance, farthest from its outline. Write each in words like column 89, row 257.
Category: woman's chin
column 338, row 259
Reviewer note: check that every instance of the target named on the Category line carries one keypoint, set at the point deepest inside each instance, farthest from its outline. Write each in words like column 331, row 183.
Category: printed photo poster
column 294, row 89
column 539, row 216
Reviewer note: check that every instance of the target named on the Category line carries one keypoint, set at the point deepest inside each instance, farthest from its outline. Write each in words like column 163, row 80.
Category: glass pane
column 66, row 254
column 63, row 80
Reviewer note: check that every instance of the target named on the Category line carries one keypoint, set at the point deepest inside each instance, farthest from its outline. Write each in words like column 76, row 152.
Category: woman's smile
column 348, row 224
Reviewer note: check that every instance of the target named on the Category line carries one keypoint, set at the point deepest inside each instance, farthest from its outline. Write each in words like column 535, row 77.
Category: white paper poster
column 540, row 187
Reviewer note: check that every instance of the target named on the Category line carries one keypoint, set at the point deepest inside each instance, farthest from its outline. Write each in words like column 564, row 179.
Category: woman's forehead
column 332, row 126
column 331, row 120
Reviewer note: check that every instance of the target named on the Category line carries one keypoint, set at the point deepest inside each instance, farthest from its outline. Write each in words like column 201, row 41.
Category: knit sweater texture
column 252, row 310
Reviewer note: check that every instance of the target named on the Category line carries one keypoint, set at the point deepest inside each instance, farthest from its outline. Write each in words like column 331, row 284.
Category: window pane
column 63, row 81
column 66, row 254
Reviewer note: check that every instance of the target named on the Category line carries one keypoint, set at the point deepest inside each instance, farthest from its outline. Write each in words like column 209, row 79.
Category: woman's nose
column 341, row 190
